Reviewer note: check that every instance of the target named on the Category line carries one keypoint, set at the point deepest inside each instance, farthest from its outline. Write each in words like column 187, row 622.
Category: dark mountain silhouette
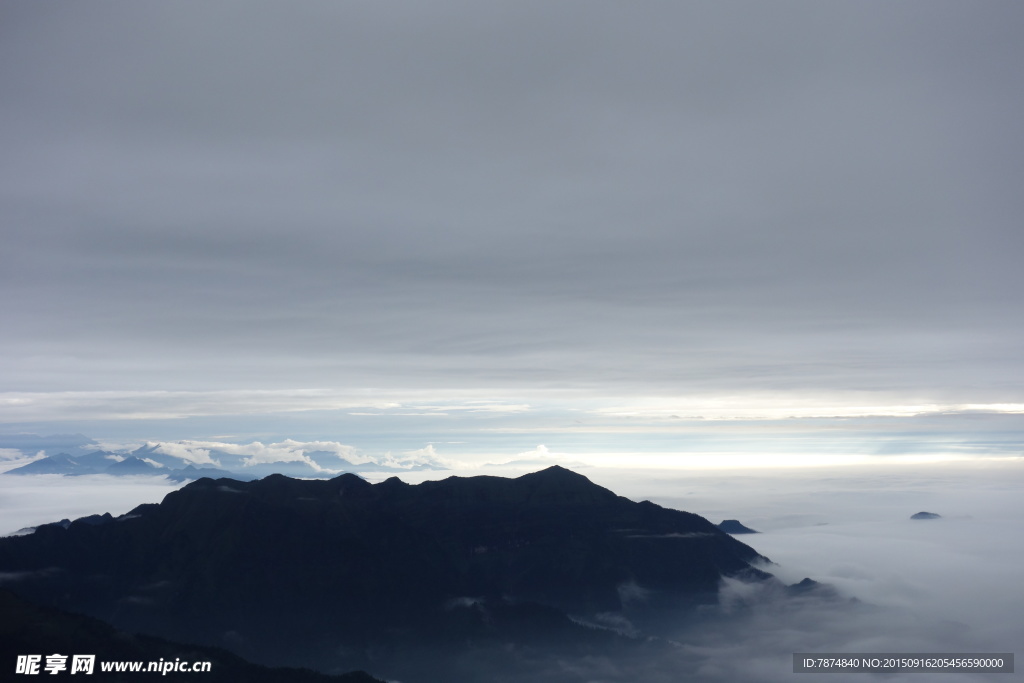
column 925, row 515
column 340, row 574
column 733, row 526
column 65, row 523
column 28, row 629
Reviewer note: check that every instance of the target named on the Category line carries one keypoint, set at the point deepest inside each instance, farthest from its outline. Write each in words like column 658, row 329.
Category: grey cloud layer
column 659, row 199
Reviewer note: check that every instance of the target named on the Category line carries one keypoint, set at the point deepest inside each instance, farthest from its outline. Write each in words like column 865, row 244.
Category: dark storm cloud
column 700, row 198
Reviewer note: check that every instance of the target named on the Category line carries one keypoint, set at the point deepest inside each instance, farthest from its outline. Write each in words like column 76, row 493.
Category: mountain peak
column 557, row 474
column 559, row 483
column 349, row 479
column 556, row 471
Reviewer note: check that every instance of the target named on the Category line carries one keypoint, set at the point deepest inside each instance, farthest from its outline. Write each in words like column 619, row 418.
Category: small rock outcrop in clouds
column 925, row 515
column 733, row 526
column 809, row 586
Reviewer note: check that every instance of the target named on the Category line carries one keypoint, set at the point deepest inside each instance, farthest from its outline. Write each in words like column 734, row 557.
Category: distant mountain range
column 407, row 582
column 103, row 462
column 154, row 459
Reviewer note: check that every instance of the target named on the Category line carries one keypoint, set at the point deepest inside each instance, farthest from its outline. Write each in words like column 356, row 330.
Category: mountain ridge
column 379, row 567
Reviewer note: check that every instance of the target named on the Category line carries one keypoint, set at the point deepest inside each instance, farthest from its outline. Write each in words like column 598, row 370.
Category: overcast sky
column 621, row 210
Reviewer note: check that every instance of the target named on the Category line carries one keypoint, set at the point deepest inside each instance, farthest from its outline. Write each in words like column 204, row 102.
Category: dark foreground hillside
column 28, row 629
column 402, row 581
